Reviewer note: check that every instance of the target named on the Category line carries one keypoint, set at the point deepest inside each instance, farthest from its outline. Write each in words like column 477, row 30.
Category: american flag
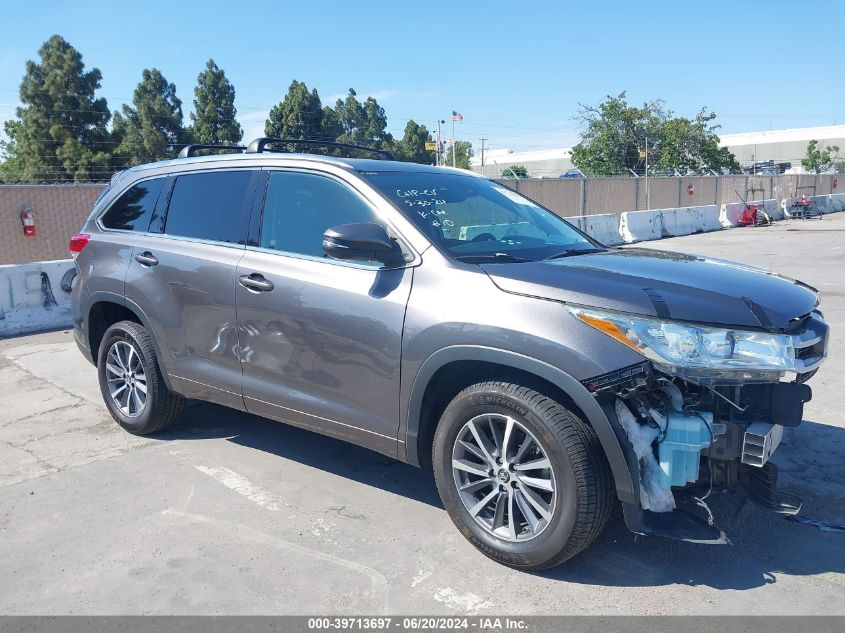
column 457, row 116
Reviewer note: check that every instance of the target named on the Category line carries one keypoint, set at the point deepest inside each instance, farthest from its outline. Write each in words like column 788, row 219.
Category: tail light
column 77, row 243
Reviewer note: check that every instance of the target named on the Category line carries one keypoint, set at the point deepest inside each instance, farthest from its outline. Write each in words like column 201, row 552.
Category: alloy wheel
column 126, row 378
column 504, row 477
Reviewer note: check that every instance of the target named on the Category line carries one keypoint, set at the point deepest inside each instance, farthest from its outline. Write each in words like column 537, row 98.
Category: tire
column 575, row 492
column 127, row 344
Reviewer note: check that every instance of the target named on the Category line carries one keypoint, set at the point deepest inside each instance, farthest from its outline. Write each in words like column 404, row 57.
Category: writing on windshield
column 476, row 217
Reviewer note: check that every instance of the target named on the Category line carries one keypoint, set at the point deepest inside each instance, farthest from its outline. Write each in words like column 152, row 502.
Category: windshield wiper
column 569, row 252
column 492, row 257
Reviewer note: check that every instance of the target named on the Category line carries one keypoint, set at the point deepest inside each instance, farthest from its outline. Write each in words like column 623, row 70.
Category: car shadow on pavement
column 206, row 421
column 764, row 546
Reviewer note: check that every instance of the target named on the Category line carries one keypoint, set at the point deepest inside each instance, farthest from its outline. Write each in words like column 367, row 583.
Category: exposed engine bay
column 696, row 437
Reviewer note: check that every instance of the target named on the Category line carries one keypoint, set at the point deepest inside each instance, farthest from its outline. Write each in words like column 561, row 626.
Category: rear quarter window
column 208, row 206
column 132, row 211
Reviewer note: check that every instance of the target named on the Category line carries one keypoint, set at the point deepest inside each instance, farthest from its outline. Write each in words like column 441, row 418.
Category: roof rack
column 191, row 150
column 259, row 145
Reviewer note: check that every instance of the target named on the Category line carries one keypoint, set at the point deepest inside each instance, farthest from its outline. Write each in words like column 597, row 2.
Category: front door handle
column 146, row 259
column 256, row 282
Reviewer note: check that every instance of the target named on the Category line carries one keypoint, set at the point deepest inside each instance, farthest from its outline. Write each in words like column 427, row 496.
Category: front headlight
column 673, row 345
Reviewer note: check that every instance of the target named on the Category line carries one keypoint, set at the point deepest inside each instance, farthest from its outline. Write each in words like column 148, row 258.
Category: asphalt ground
column 227, row 513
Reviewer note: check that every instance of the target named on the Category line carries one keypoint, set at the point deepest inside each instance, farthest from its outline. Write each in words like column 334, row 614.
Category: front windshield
column 477, row 220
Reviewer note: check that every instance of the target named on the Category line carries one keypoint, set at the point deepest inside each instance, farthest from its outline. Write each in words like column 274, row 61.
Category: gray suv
column 445, row 320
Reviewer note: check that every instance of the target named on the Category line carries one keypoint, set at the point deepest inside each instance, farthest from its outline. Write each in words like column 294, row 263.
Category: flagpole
column 454, row 141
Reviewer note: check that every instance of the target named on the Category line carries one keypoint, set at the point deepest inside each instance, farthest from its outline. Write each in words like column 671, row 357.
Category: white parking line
column 468, row 603
column 244, row 487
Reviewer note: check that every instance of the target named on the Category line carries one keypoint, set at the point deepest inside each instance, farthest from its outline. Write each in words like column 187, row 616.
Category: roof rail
column 259, row 145
column 191, row 150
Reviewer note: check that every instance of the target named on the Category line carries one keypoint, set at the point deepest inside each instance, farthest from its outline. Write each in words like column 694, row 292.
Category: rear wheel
column 523, row 477
column 131, row 381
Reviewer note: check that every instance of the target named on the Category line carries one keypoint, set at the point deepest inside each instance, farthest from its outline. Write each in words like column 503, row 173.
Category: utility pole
column 647, row 192
column 438, row 142
column 482, row 156
column 438, row 155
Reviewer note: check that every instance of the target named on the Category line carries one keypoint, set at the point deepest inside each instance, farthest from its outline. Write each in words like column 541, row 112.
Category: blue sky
column 516, row 70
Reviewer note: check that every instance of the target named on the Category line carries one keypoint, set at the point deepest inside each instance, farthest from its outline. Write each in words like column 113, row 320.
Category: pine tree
column 151, row 129
column 60, row 133
column 412, row 146
column 362, row 124
column 214, row 112
column 299, row 115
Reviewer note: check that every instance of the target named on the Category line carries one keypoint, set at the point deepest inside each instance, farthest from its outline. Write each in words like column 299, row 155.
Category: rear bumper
column 82, row 343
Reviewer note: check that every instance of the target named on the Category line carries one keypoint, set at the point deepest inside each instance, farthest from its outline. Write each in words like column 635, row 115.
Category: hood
column 663, row 284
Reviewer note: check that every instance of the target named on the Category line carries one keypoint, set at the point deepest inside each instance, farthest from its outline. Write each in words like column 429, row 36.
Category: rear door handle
column 256, row 282
column 146, row 259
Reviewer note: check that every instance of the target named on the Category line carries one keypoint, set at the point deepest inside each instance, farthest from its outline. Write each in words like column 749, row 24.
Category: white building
column 777, row 145
column 780, row 146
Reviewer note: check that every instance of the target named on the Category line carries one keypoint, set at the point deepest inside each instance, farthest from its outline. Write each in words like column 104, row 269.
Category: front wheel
column 131, row 382
column 523, row 478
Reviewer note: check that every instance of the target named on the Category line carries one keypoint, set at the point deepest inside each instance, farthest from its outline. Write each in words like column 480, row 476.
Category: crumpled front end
column 695, row 431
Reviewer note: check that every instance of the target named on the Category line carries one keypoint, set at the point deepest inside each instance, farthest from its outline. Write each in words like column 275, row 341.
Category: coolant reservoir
column 680, row 451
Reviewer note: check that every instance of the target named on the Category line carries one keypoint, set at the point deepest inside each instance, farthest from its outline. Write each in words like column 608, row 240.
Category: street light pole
column 482, row 156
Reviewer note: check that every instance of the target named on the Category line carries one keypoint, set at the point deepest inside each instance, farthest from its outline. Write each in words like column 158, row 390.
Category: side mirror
column 363, row 241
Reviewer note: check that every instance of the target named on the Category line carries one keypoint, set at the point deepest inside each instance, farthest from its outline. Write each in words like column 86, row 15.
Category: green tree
column 819, row 159
column 463, row 154
column 214, row 108
column 411, row 147
column 151, row 129
column 616, row 137
column 515, row 171
column 351, row 118
column 614, row 133
column 692, row 145
column 331, row 128
column 375, row 131
column 299, row 115
column 60, row 133
column 362, row 123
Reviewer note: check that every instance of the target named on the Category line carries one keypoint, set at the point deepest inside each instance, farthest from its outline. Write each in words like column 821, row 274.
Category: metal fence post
column 637, row 194
column 583, row 196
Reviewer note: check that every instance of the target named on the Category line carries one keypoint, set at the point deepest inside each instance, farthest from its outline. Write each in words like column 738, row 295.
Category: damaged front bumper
column 686, row 436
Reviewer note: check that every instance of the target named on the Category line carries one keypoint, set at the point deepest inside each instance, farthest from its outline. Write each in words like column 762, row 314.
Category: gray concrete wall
column 569, row 197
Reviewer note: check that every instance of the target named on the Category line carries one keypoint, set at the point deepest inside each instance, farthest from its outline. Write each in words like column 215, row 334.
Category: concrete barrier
column 35, row 296
column 689, row 220
column 837, row 202
column 822, row 204
column 638, row 226
column 603, row 227
column 708, row 219
column 773, row 209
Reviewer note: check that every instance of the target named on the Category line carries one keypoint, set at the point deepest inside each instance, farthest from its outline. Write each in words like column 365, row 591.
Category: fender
column 112, row 297
column 613, row 448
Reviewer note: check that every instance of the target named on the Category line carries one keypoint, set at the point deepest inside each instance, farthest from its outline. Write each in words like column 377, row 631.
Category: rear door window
column 132, row 211
column 209, row 205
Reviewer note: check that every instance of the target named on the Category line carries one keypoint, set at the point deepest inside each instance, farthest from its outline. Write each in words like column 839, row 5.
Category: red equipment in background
column 748, row 217
column 28, row 221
